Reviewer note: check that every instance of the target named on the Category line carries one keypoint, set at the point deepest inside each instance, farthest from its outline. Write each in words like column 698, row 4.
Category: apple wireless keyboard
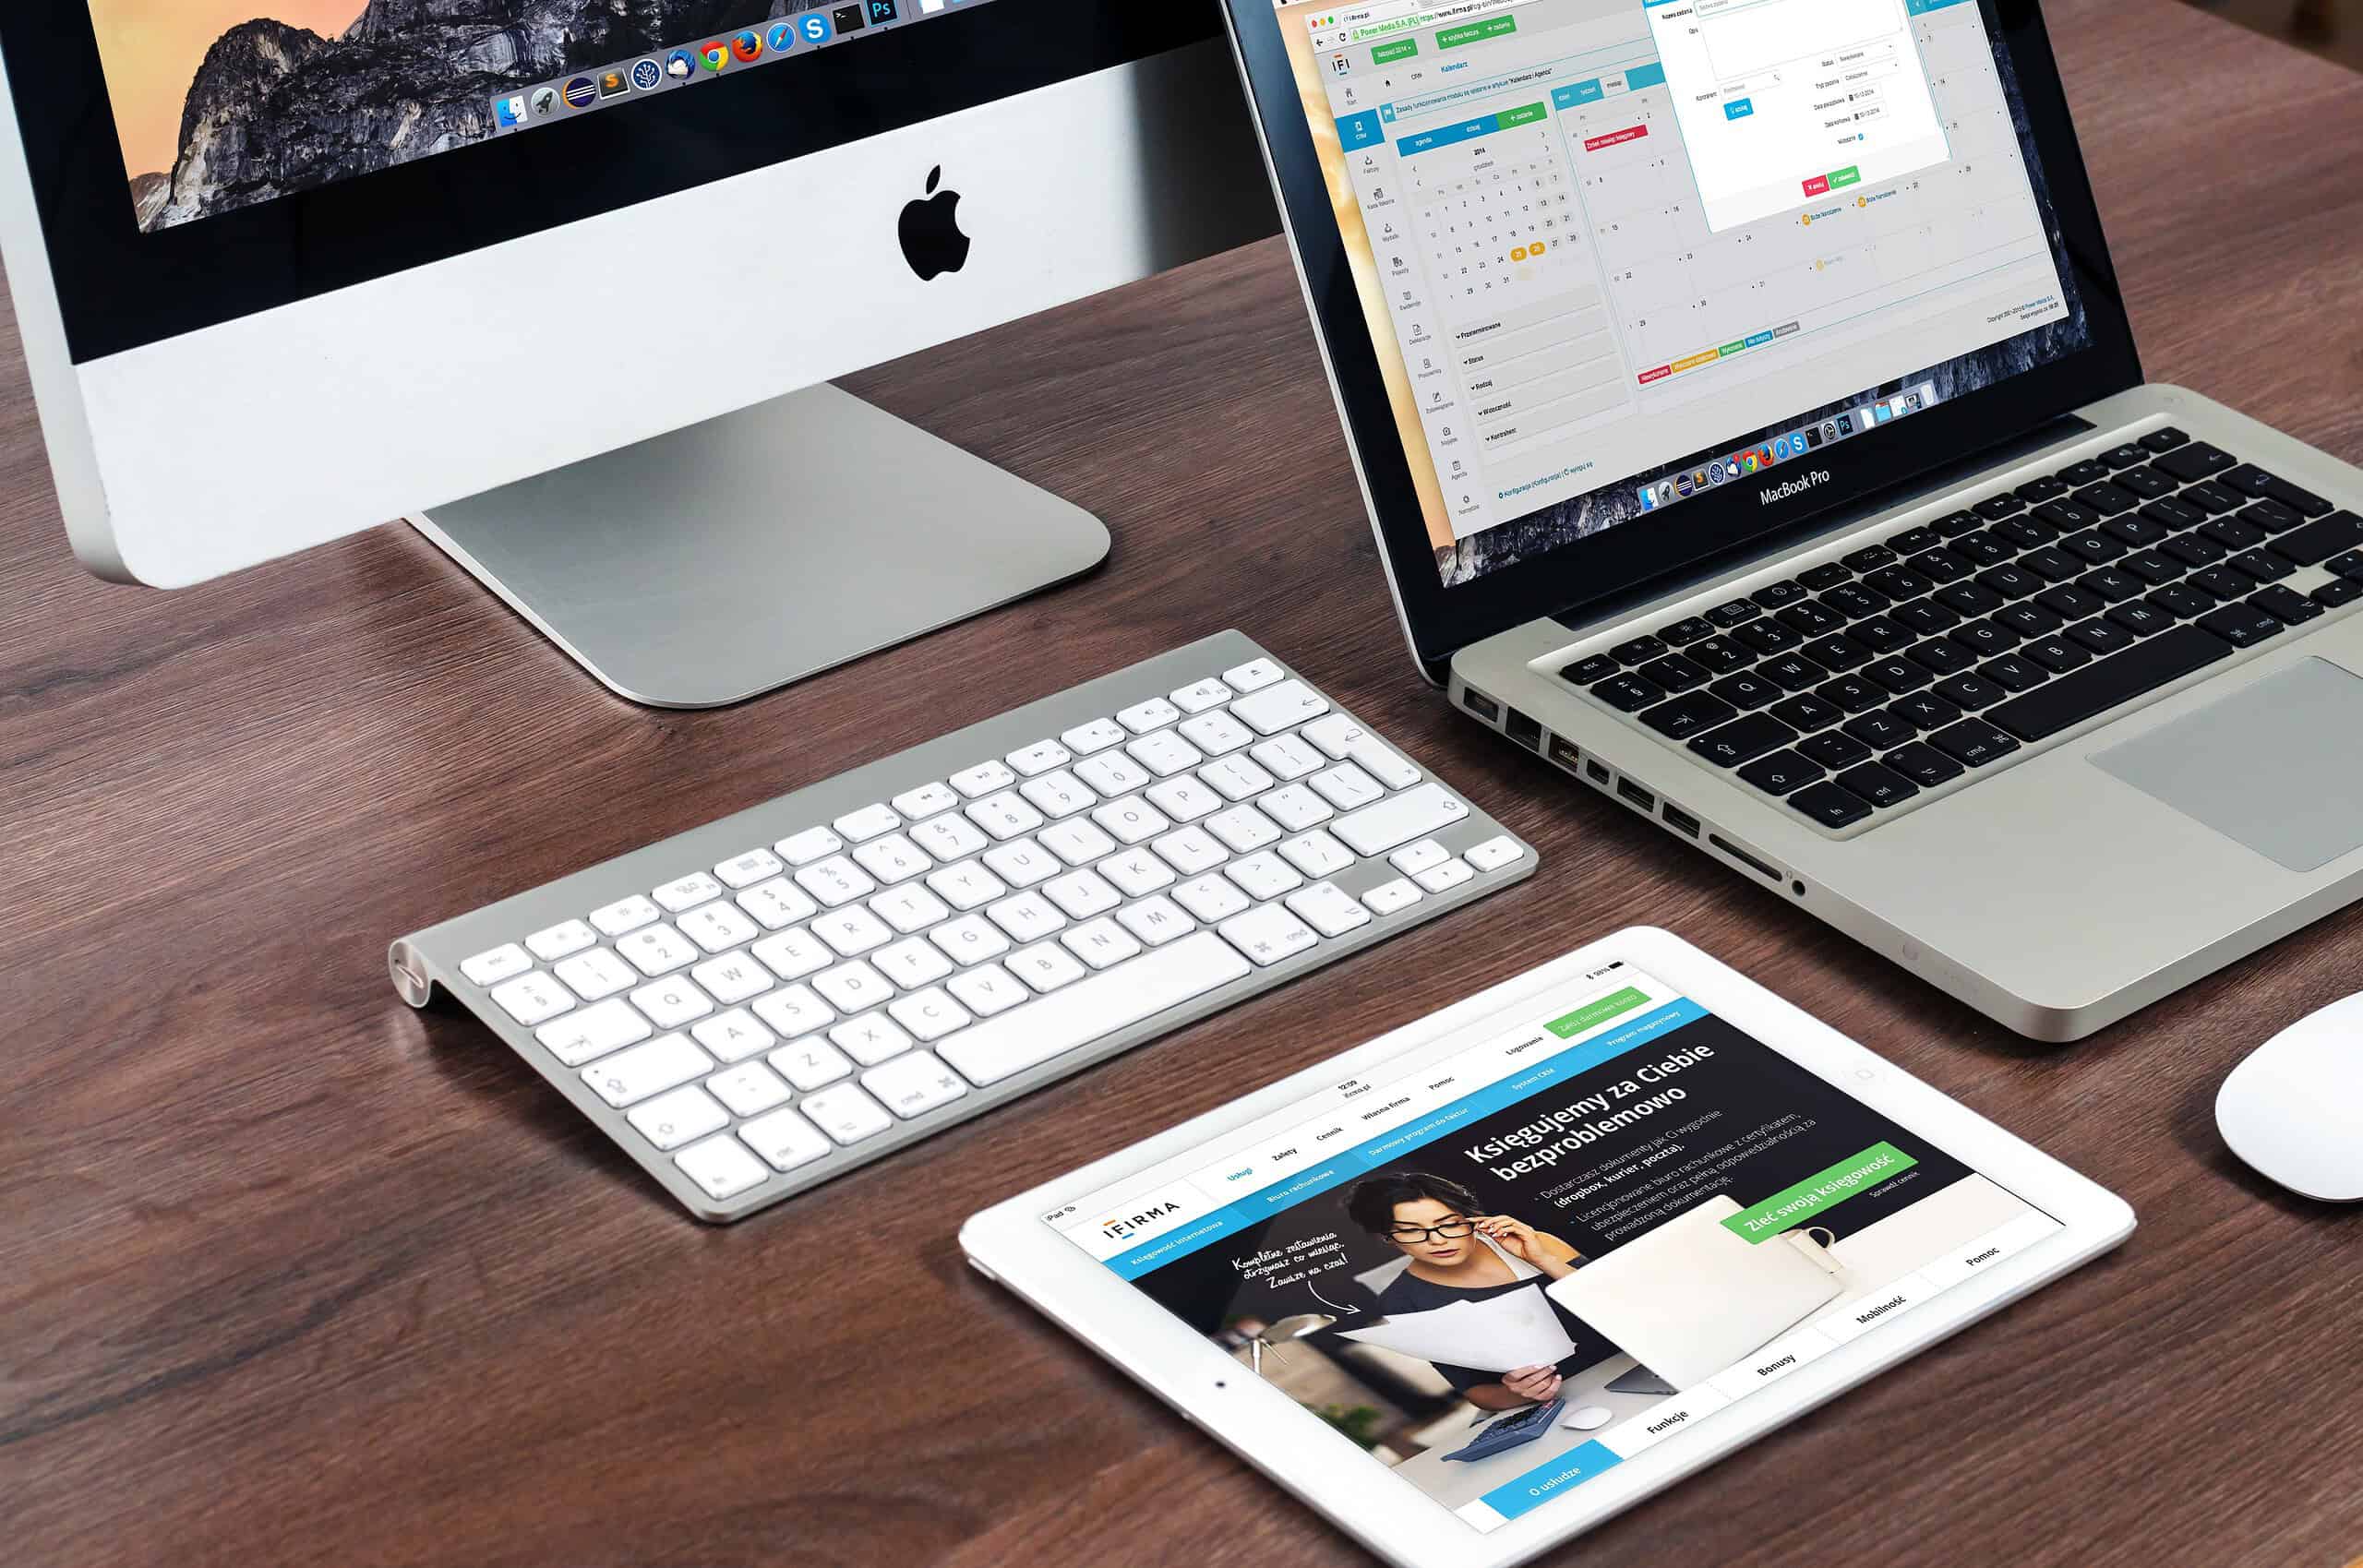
column 757, row 1005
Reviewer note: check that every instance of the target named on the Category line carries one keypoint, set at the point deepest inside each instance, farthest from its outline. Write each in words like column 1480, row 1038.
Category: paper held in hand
column 1499, row 1333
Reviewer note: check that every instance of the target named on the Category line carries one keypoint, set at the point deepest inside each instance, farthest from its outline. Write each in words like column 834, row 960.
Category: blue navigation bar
column 1582, row 93
column 1639, row 77
column 1922, row 8
column 1357, row 131
column 1444, row 1121
column 1446, row 136
column 1542, row 1483
column 1590, row 91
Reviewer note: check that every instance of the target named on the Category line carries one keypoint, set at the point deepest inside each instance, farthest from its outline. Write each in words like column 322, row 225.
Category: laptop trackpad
column 2273, row 767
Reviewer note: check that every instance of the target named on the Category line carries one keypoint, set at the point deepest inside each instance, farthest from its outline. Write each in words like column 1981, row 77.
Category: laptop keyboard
column 1861, row 684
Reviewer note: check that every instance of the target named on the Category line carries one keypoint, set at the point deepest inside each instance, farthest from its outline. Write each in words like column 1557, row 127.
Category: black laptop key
column 2348, row 566
column 1720, row 654
column 2164, row 440
column 1747, row 689
column 2146, row 483
column 1674, row 673
column 1952, row 525
column 2112, row 585
column 1879, row 729
column 2252, row 481
column 1792, row 672
column 2194, row 461
column 2338, row 593
column 1743, row 740
column 2271, row 516
column 1940, row 566
column 1942, row 656
column 1687, row 715
column 2013, row 673
column 2172, row 511
column 2141, row 617
column 1879, row 785
column 1968, row 599
column 1777, row 594
column 2070, row 603
column 1853, row 601
column 2045, row 488
column 1870, row 557
column 1925, row 617
column 2151, row 567
column 2261, row 565
column 1897, row 583
column 1912, row 540
column 2011, row 582
column 1984, row 639
column 2213, row 497
column 2194, row 550
column 1783, row 772
column 2224, row 582
column 2125, row 456
column 1970, row 691
column 1629, row 693
column 2286, row 604
column 2028, row 619
column 1583, row 672
column 2242, row 626
column 1811, row 618
column 1831, row 806
column 1733, row 612
column 2319, row 540
column 2235, row 533
column 2057, row 654
column 2136, row 529
column 1982, row 549
column 1834, row 749
column 1767, row 638
column 1924, row 711
column 2024, row 533
column 1805, row 713
column 1637, row 650
column 2066, row 515
column 1880, row 635
column 2085, row 472
column 1685, row 631
column 1853, row 694
column 2051, row 565
column 2093, row 548
column 2184, row 602
column 2112, row 683
column 2102, row 636
column 1993, row 509
column 1922, row 765
column 1828, row 575
column 1974, row 742
column 1898, row 676
column 1835, row 653
column 2109, row 499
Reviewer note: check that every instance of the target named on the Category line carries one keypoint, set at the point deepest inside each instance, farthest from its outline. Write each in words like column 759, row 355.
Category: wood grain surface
column 290, row 1274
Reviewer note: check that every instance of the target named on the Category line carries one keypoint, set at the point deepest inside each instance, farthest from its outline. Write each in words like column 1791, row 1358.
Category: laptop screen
column 1615, row 255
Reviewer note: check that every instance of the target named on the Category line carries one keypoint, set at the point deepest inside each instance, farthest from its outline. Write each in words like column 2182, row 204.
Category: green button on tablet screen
column 1593, row 1014
column 1793, row 1206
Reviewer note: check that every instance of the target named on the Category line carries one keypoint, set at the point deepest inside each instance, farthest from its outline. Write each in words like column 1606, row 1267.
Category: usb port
column 1636, row 795
column 1675, row 817
column 1564, row 754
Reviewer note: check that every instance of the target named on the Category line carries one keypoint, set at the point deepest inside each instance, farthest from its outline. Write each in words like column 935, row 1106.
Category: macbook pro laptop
column 1750, row 421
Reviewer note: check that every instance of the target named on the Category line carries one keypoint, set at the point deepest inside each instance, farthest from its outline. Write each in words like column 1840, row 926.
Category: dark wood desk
column 290, row 1274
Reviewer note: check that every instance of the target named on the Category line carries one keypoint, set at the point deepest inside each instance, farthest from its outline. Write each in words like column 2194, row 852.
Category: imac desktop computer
column 562, row 284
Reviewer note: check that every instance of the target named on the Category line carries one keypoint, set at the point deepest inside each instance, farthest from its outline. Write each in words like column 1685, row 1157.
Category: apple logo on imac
column 933, row 242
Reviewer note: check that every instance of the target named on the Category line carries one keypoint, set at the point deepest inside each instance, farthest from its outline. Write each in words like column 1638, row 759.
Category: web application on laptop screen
column 1619, row 1208
column 1615, row 254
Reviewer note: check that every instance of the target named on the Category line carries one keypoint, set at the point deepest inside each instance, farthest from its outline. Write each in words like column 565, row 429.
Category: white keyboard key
column 950, row 837
column 909, row 908
column 1191, row 851
column 1027, row 917
column 1184, row 799
column 1414, row 814
column 733, row 1035
column 1295, row 807
column 847, row 1114
column 871, row 1039
column 1022, row 863
column 1155, row 921
column 931, row 1014
column 532, row 998
column 1004, row 816
column 672, row 1002
column 670, row 1120
column 776, row 903
column 1264, row 876
column 718, row 927
column 1138, row 872
column 1348, row 742
column 1236, row 778
column 966, row 885
column 1276, row 708
column 983, row 779
column 912, row 964
column 1164, row 753
column 1414, row 858
column 987, row 989
column 925, row 801
column 1217, row 734
column 1388, row 897
column 1210, row 898
column 1082, row 894
column 755, row 866
column 1080, row 1013
column 1077, row 844
column 593, row 1032
column 1268, row 933
column 566, row 937
column 1097, row 736
column 628, row 1077
column 1112, row 774
column 784, row 1138
column 835, row 882
column 914, row 1085
column 657, row 950
column 1201, row 695
column 1317, row 854
column 972, row 939
column 1288, row 756
column 625, row 915
column 1253, row 675
column 688, row 891
column 494, row 965
column 1328, row 909
column 893, row 858
column 794, row 1012
column 812, row 843
column 748, row 1089
column 1046, row 966
column 1131, row 820
column 596, row 974
column 721, row 1167
column 792, row 955
column 1153, row 714
column 1039, row 758
column 1346, row 786
column 811, row 1063
column 1446, row 877
column 1058, row 793
column 870, row 823
column 849, row 988
column 1101, row 943
column 732, row 980
column 1244, row 830
column 1496, row 852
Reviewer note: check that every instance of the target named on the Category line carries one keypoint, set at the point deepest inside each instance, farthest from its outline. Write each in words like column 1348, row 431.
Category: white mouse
column 1592, row 1418
column 2294, row 1109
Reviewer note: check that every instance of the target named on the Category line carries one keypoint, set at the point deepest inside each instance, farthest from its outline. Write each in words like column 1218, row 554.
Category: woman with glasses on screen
column 1458, row 1253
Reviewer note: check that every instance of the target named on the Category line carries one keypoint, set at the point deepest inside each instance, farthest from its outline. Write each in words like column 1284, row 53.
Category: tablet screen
column 1506, row 1263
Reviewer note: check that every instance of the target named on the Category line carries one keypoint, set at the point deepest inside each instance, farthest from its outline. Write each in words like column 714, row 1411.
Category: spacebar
column 1089, row 1009
column 2119, row 679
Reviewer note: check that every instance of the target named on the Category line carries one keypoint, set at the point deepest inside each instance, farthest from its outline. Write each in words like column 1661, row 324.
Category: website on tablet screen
column 1502, row 1269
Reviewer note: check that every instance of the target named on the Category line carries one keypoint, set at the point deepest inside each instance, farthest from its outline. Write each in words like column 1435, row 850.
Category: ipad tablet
column 1730, row 1212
